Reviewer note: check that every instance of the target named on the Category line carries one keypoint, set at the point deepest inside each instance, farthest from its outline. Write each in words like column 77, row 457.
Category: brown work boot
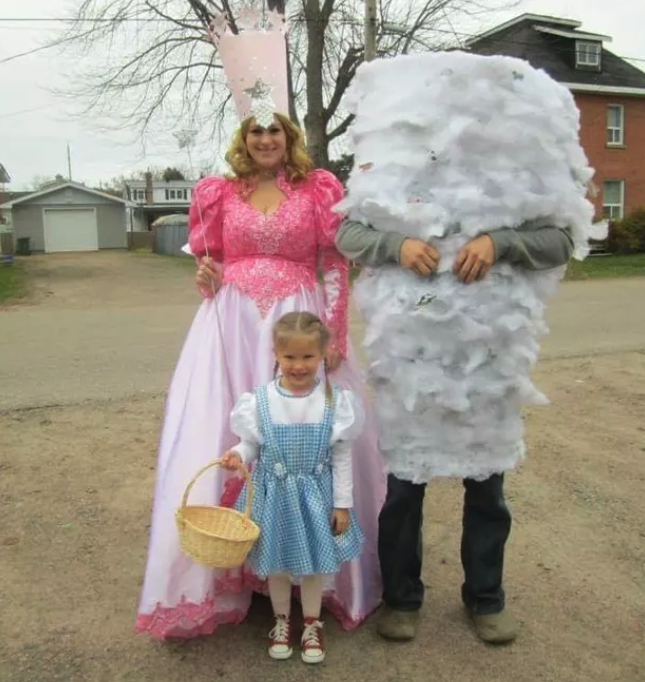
column 397, row 625
column 495, row 628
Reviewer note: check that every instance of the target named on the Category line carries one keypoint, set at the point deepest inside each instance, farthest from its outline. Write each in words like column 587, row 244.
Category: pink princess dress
column 270, row 265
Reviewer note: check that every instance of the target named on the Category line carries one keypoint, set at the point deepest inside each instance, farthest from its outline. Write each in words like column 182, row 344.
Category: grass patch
column 607, row 267
column 596, row 267
column 13, row 282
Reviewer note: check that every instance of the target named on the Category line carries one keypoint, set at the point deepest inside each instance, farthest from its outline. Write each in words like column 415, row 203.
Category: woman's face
column 267, row 146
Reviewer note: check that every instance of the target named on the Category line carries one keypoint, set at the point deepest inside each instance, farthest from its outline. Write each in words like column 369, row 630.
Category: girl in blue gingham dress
column 298, row 430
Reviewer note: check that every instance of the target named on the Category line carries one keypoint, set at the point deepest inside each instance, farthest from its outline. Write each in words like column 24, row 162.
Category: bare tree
column 153, row 60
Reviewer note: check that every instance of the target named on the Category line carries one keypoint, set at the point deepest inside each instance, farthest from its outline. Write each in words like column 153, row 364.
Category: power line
column 24, row 111
column 458, row 35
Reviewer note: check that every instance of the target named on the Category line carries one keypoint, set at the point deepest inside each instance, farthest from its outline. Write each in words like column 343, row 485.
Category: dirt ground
column 77, row 468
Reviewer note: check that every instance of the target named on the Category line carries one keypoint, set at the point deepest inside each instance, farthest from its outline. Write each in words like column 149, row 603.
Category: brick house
column 608, row 90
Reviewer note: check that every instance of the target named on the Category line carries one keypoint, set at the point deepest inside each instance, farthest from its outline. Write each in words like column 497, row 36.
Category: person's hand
column 208, row 277
column 475, row 259
column 231, row 461
column 339, row 521
column 332, row 360
column 419, row 257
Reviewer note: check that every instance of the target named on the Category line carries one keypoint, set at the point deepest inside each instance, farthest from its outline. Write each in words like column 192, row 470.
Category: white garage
column 68, row 216
column 70, row 229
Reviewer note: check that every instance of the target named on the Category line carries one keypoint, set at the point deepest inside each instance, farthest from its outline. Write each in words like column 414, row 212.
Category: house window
column 186, row 195
column 613, row 199
column 171, row 195
column 588, row 54
column 139, row 195
column 615, row 125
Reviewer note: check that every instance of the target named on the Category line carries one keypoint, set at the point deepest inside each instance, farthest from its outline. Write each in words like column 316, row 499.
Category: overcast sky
column 35, row 125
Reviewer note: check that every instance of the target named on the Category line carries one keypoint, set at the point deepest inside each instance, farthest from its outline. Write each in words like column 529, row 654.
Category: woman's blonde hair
column 302, row 324
column 297, row 162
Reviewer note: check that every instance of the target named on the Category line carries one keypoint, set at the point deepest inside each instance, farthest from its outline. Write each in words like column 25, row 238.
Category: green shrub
column 627, row 235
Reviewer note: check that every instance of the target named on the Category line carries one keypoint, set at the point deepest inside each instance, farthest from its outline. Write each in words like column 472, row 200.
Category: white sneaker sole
column 280, row 655
column 312, row 660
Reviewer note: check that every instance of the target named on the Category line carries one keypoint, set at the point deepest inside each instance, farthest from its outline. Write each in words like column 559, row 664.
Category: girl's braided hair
column 307, row 324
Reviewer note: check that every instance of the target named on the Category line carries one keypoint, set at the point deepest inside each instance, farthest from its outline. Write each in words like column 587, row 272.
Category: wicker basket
column 216, row 537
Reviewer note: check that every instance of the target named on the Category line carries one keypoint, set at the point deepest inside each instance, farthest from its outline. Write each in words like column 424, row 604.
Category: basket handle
column 216, row 463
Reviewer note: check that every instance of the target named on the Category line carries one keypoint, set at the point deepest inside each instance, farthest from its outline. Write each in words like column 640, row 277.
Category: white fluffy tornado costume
column 454, row 145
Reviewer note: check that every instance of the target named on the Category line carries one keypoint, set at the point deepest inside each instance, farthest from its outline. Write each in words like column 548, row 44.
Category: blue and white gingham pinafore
column 293, row 499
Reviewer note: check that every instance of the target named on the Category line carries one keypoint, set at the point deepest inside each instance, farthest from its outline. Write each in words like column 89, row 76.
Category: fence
column 140, row 240
column 168, row 239
column 6, row 242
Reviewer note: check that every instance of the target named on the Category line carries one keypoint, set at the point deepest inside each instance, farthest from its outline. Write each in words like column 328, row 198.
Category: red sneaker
column 280, row 639
column 313, row 646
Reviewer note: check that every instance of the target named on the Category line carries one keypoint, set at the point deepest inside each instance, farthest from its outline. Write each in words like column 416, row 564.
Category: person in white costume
column 467, row 200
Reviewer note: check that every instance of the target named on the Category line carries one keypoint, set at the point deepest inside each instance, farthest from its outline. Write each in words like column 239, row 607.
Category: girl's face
column 299, row 358
column 267, row 146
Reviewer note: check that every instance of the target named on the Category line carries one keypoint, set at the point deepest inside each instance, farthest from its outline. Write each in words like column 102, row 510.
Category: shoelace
column 311, row 635
column 280, row 633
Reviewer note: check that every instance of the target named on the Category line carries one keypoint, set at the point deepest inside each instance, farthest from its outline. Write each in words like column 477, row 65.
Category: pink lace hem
column 187, row 620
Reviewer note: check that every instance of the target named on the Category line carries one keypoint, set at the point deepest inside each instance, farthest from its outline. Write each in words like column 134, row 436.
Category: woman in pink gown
column 269, row 263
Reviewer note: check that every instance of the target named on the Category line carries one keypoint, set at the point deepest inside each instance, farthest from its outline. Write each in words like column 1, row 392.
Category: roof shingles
column 556, row 56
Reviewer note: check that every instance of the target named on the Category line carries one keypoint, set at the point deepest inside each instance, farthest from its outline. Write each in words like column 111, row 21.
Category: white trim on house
column 616, row 133
column 620, row 206
column 604, row 89
column 585, row 37
column 65, row 185
column 570, row 23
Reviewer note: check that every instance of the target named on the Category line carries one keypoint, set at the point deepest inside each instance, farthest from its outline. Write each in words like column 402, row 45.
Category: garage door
column 71, row 229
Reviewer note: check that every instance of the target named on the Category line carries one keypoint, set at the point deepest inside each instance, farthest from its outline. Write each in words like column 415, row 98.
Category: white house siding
column 111, row 219
column 68, row 195
column 28, row 222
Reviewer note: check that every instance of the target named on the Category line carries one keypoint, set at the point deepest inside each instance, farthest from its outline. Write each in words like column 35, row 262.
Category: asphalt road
column 110, row 326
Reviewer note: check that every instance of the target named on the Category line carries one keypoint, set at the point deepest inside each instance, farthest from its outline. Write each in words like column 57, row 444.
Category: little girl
column 298, row 429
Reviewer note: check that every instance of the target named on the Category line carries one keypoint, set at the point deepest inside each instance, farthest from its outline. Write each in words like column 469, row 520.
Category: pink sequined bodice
column 271, row 257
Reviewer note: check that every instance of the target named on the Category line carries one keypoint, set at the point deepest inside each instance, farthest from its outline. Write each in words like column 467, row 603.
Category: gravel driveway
column 84, row 368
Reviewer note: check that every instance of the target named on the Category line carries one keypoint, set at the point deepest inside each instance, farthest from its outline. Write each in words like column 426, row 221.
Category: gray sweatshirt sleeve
column 368, row 246
column 529, row 246
column 533, row 247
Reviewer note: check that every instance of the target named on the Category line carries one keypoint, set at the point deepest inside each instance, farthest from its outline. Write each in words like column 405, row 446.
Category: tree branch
column 346, row 73
column 341, row 129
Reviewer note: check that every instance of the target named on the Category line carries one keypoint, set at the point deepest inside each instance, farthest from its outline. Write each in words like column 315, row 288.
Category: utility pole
column 370, row 30
column 69, row 163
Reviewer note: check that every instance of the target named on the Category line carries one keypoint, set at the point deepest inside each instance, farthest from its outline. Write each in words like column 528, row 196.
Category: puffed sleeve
column 205, row 218
column 244, row 423
column 328, row 191
column 349, row 417
column 348, row 424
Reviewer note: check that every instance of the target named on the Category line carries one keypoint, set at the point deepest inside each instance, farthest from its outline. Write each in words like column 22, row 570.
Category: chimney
column 148, row 179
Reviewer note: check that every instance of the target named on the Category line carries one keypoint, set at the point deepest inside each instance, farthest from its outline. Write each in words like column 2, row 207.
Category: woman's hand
column 208, row 278
column 231, row 461
column 332, row 360
column 339, row 521
column 475, row 259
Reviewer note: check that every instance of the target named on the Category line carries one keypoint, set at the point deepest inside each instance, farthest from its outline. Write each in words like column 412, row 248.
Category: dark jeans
column 486, row 527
